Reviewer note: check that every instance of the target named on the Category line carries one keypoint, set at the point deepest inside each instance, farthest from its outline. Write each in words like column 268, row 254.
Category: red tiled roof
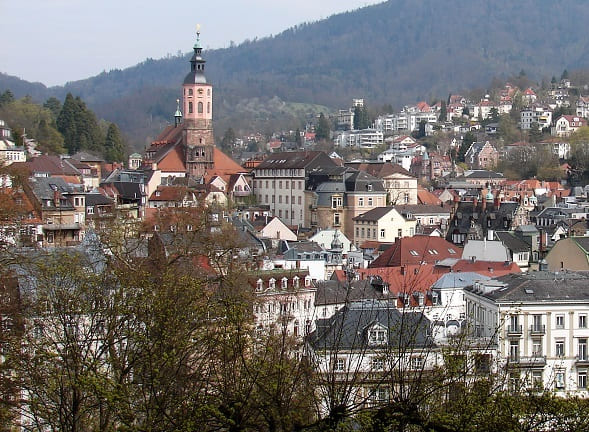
column 415, row 250
column 487, row 268
column 426, row 197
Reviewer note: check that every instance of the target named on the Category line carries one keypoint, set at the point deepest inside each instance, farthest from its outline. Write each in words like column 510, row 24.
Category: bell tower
column 197, row 102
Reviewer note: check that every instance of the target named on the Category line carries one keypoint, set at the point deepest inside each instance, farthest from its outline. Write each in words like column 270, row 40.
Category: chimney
column 56, row 198
column 475, row 203
column 497, row 202
column 484, row 204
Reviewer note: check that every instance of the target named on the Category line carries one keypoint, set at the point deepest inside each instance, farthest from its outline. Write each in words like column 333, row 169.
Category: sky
column 56, row 41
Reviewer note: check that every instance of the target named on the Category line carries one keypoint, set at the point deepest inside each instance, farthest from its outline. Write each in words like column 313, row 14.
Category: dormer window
column 295, row 281
column 284, row 283
column 259, row 285
column 272, row 283
column 377, row 335
column 308, row 281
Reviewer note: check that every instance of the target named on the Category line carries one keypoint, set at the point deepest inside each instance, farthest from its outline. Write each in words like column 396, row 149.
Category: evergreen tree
column 298, row 138
column 323, row 130
column 357, row 117
column 6, row 98
column 467, row 141
column 54, row 105
column 443, row 112
column 228, row 140
column 114, row 146
column 66, row 123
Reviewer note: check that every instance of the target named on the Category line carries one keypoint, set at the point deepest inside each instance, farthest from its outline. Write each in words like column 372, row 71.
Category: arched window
column 190, row 110
column 200, row 107
column 295, row 281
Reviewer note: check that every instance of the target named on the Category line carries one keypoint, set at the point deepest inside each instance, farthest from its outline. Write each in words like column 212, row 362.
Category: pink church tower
column 197, row 101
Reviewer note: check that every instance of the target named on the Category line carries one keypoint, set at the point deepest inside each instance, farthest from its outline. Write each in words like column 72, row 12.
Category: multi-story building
column 382, row 224
column 280, row 182
column 541, row 116
column 365, row 138
column 565, row 125
column 400, row 185
column 539, row 321
column 338, row 194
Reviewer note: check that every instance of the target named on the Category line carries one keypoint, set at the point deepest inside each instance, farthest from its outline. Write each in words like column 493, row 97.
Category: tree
column 79, row 126
column 467, row 141
column 54, row 105
column 508, row 129
column 443, row 112
column 6, row 98
column 323, row 129
column 564, row 75
column 114, row 146
column 228, row 140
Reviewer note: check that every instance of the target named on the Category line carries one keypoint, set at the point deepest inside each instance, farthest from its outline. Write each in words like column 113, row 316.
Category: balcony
column 535, row 360
column 514, row 330
column 538, row 329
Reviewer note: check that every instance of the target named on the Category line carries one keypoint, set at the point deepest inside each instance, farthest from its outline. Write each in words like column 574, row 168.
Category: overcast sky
column 56, row 41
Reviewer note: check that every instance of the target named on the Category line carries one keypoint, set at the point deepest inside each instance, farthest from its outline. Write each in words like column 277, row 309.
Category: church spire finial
column 197, row 44
column 177, row 114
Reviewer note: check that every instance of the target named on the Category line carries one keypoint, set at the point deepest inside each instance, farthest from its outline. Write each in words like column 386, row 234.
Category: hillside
column 396, row 52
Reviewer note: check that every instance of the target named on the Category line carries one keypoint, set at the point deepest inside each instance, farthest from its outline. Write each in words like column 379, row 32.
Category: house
column 285, row 302
column 273, row 228
column 582, row 107
column 565, row 125
column 427, row 215
column 383, row 224
column 520, row 252
column 368, row 339
column 539, row 322
column 61, row 208
column 570, row 253
column 481, row 155
column 417, row 250
column 326, row 237
column 336, row 195
column 280, row 183
column 400, row 185
column 9, row 151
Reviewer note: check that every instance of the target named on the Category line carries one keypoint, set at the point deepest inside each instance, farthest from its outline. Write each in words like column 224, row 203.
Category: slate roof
column 94, row 199
column 483, row 174
column 380, row 169
column 332, row 292
column 296, row 160
column 45, row 188
column 375, row 214
column 542, row 287
column 458, row 280
column 348, row 328
column 485, row 250
column 512, row 242
column 500, row 218
column 421, row 209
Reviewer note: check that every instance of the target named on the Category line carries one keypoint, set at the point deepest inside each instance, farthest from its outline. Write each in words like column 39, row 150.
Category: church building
column 187, row 148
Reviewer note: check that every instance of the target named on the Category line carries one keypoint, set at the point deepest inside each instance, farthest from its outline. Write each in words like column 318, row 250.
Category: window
column 299, row 201
column 559, row 380
column 382, row 233
column 339, row 365
column 559, row 321
column 370, row 202
column 582, row 349
column 514, row 351
column 559, row 348
column 377, row 336
column 583, row 321
column 416, row 362
column 360, row 202
column 582, row 380
column 336, row 219
column 200, row 107
column 536, row 347
column 399, row 233
column 190, row 109
column 284, row 283
column 537, row 382
column 377, row 363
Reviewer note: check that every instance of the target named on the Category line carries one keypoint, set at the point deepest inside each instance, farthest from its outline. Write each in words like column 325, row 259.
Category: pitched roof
column 487, row 268
column 416, row 250
column 380, row 169
column 426, row 197
column 290, row 160
column 375, row 214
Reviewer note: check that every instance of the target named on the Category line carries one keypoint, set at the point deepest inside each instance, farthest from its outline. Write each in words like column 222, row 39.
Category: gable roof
column 416, row 250
column 380, row 169
column 375, row 214
column 296, row 160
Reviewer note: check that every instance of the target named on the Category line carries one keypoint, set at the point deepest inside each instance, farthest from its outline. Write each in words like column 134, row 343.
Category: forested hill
column 395, row 52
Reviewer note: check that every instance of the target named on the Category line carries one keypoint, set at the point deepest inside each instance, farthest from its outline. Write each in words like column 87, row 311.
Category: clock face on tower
column 200, row 91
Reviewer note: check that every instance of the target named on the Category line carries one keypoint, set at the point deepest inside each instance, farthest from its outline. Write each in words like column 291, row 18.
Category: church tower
column 197, row 102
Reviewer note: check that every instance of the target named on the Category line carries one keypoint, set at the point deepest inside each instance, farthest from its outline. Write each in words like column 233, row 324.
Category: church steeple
column 197, row 64
column 197, row 104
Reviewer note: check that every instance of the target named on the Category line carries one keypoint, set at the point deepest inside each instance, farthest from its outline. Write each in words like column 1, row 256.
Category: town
column 431, row 262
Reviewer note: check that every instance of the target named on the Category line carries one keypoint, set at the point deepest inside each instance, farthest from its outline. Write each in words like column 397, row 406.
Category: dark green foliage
column 79, row 126
column 114, row 145
column 228, row 140
column 361, row 117
column 467, row 140
column 6, row 98
column 323, row 129
column 443, row 112
column 54, row 105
